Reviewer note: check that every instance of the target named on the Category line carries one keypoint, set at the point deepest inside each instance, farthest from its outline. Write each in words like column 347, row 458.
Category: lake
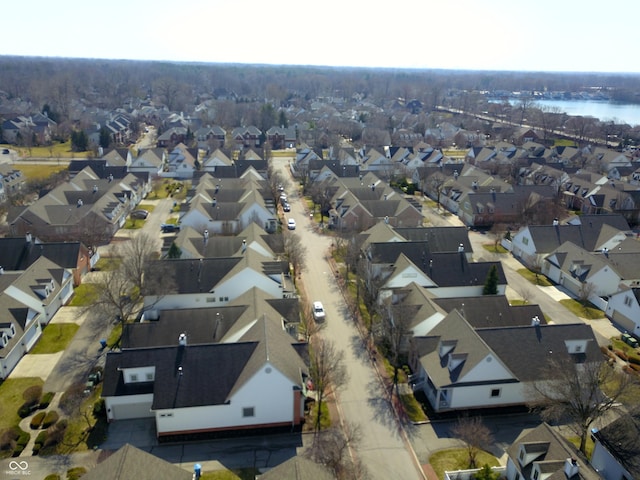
column 618, row 112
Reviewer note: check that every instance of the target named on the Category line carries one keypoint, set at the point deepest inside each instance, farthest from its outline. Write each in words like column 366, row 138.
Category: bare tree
column 584, row 293
column 327, row 370
column 332, row 448
column 573, row 391
column 435, row 183
column 475, row 435
column 496, row 234
column 395, row 331
column 296, row 252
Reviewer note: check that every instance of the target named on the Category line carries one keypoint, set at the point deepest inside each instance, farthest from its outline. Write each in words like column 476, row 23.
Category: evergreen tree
column 105, row 137
column 491, row 283
column 283, row 121
column 79, row 141
column 174, row 251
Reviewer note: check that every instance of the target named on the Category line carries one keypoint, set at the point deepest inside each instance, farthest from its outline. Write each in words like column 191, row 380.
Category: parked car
column 318, row 311
column 286, row 207
column 169, row 228
column 291, row 224
column 629, row 340
column 140, row 214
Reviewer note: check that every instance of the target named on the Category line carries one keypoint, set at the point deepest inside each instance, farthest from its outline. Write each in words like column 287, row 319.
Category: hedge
column 41, row 438
column 75, row 473
column 36, row 420
column 46, row 400
column 52, row 476
column 51, row 418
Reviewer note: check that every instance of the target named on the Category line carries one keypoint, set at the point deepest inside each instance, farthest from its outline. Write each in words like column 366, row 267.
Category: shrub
column 36, row 421
column 8, row 438
column 41, row 438
column 32, row 395
column 51, row 418
column 55, row 433
column 635, row 360
column 24, row 411
column 23, row 437
column 18, row 450
column 52, row 476
column 75, row 473
column 46, row 400
column 98, row 409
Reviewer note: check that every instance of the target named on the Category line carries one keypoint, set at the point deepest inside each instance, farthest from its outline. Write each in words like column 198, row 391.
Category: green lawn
column 57, row 150
column 11, row 399
column 412, row 408
column 133, row 223
column 531, row 276
column 590, row 313
column 589, row 447
column 457, row 459
column 84, row 295
column 55, row 338
column 38, row 172
column 490, row 247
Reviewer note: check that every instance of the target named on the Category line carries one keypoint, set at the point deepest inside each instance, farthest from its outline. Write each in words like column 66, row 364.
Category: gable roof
column 129, row 462
column 621, row 438
column 298, row 468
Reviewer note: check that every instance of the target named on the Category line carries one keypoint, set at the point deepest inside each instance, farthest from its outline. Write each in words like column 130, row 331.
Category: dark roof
column 491, row 311
column 440, row 239
column 621, row 438
column 549, row 237
column 201, row 382
column 298, row 468
column 195, row 276
column 130, row 462
column 100, row 167
column 536, row 344
column 18, row 254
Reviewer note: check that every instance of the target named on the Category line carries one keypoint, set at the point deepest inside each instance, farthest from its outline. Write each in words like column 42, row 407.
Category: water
column 605, row 111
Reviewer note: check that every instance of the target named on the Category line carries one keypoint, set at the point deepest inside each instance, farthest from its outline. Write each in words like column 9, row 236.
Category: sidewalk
column 25, row 424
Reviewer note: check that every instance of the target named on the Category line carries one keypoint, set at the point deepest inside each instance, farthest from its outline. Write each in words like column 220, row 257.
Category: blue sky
column 546, row 35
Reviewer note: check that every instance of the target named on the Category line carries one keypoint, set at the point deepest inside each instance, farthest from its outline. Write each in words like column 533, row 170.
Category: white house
column 623, row 308
column 616, row 454
column 256, row 383
column 148, row 160
column 459, row 367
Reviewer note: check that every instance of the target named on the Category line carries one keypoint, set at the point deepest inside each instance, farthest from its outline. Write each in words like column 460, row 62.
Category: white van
column 318, row 311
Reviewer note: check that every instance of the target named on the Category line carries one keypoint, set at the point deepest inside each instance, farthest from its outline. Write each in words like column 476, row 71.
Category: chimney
column 535, row 321
column 182, row 340
column 555, row 222
column 28, row 238
column 80, row 202
column 244, row 245
column 205, row 236
column 95, row 188
column 214, row 202
column 493, row 194
column 455, row 174
column 571, row 467
column 474, row 185
column 1, row 270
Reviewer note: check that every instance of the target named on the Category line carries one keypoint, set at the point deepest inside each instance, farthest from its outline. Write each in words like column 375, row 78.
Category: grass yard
column 55, row 338
column 56, row 150
column 457, row 459
column 78, row 437
column 84, row 295
column 575, row 441
column 517, row 302
column 412, row 408
column 133, row 223
column 490, row 247
column 11, row 399
column 39, row 172
column 590, row 313
column 531, row 276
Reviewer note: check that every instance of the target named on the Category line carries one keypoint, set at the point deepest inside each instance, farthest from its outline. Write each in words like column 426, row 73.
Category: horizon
column 493, row 36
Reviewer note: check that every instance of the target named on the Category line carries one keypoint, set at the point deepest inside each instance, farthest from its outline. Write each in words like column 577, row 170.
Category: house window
column 221, row 299
column 133, row 377
column 149, row 377
column 248, row 412
column 525, row 240
column 211, row 299
column 627, row 301
column 495, row 392
column 536, row 474
column 577, row 348
column 521, row 455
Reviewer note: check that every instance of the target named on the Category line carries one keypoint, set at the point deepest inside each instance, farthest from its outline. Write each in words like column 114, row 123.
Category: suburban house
column 281, row 137
column 182, row 162
column 117, row 157
column 460, row 367
column 195, row 244
column 244, row 137
column 29, row 299
column 574, row 268
column 542, row 453
column 372, row 160
column 623, row 308
column 18, row 253
column 28, row 126
column 148, row 160
column 87, row 207
column 211, row 137
column 298, row 468
column 132, row 462
column 11, row 181
column 217, row 158
column 257, row 384
column 591, row 232
column 172, row 136
column 616, row 454
column 209, row 282
column 227, row 207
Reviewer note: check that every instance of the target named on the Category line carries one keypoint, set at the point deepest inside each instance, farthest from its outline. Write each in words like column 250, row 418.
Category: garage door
column 132, row 410
column 623, row 321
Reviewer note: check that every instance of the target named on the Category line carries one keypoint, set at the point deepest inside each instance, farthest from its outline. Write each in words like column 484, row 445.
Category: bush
column 8, row 438
column 18, row 450
column 36, row 421
column 24, row 411
column 32, row 395
column 635, row 360
column 75, row 473
column 41, row 439
column 52, row 476
column 98, row 409
column 51, row 418
column 55, row 433
column 46, row 400
column 23, row 437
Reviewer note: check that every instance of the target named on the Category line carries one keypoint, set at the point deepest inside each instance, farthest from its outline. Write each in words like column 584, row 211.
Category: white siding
column 130, row 406
column 489, row 369
column 480, row 396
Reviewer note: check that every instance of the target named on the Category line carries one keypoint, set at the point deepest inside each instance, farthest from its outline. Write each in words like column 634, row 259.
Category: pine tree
column 174, row 251
column 491, row 283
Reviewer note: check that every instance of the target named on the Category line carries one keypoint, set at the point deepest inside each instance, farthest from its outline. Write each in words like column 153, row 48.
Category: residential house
column 459, row 367
column 172, row 136
column 257, row 384
column 542, row 453
column 616, row 454
column 29, row 298
column 117, row 157
column 595, row 232
column 228, row 206
column 298, row 468
column 87, row 208
column 182, row 162
column 244, row 137
column 217, row 158
column 18, row 253
column 209, row 282
column 373, row 160
column 281, row 137
column 38, row 126
column 131, row 462
column 211, row 137
column 623, row 308
column 304, row 154
column 11, row 181
column 542, row 174
column 523, row 135
column 148, row 160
